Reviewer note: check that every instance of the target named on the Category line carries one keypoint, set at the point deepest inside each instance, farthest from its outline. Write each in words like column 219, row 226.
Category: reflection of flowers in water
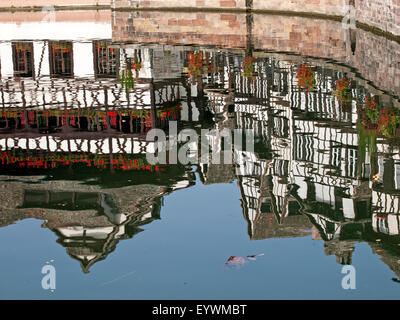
column 99, row 161
column 163, row 113
column 63, row 47
column 136, row 64
column 198, row 65
column 238, row 262
column 343, row 90
column 384, row 120
column 106, row 46
column 306, row 77
column 248, row 67
column 195, row 64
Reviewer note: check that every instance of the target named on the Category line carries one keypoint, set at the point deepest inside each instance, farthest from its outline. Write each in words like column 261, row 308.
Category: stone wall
column 19, row 17
column 383, row 14
column 376, row 58
column 330, row 7
column 224, row 30
column 238, row 4
column 31, row 3
column 333, row 7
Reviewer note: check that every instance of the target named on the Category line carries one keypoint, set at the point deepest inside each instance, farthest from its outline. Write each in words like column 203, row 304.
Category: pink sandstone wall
column 334, row 7
column 330, row 7
column 30, row 3
column 383, row 14
column 179, row 3
column 60, row 16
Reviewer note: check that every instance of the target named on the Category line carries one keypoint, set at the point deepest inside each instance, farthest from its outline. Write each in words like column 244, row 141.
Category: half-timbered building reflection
column 309, row 173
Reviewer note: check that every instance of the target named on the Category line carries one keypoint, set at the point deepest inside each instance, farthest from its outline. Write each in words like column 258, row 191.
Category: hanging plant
column 198, row 65
column 385, row 121
column 306, row 77
column 342, row 90
column 195, row 64
column 248, row 67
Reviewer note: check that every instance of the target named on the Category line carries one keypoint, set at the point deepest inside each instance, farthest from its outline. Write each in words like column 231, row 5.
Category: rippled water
column 320, row 191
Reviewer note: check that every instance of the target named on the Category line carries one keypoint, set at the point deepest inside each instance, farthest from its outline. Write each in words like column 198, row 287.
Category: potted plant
column 342, row 91
column 248, row 67
column 385, row 121
column 306, row 77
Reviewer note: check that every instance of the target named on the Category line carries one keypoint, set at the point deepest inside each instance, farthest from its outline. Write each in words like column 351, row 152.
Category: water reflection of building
column 89, row 220
column 307, row 168
column 311, row 160
column 74, row 120
column 64, row 84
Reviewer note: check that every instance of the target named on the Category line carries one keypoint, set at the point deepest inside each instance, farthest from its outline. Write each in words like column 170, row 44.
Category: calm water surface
column 320, row 191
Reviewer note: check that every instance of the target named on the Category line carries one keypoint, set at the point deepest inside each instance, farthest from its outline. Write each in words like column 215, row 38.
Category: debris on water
column 236, row 262
column 254, row 257
column 396, row 280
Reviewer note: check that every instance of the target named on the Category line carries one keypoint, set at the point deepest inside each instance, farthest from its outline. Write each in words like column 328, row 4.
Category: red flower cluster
column 54, row 161
column 248, row 66
column 198, row 65
column 54, row 50
column 370, row 103
column 170, row 113
column 195, row 59
column 384, row 120
column 195, row 64
column 342, row 84
column 306, row 76
column 247, row 62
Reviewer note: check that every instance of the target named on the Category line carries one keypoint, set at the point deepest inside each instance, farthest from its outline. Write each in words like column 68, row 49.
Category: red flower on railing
column 306, row 77
column 248, row 67
column 106, row 46
column 61, row 47
column 343, row 90
column 198, row 65
column 121, row 162
column 384, row 120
